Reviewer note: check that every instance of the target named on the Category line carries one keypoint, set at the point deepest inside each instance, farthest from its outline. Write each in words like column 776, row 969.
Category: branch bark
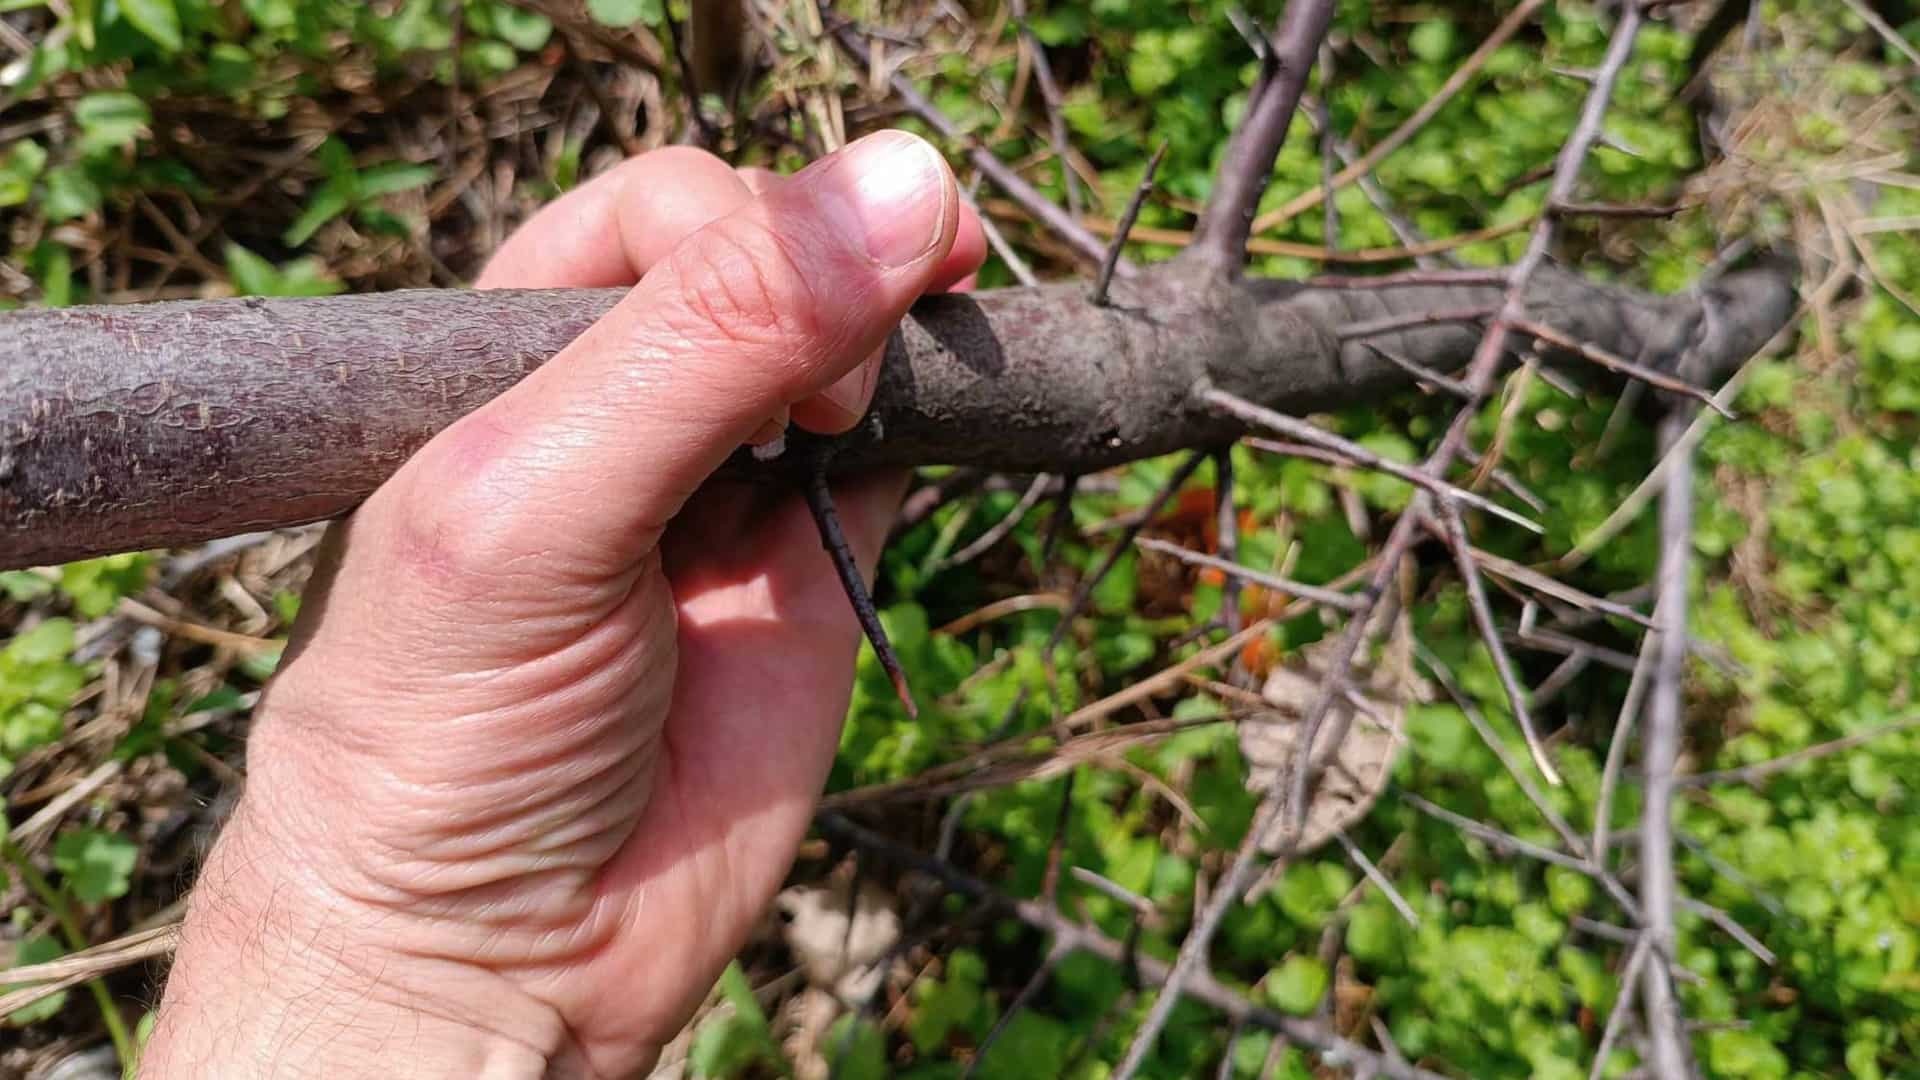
column 157, row 425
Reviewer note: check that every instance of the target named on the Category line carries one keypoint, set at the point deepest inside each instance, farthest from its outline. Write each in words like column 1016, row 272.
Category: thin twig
column 1622, row 1004
column 997, row 240
column 1286, row 586
column 1732, row 927
column 1357, row 454
column 1002, row 528
column 1378, row 878
column 1226, row 523
column 1761, row 771
column 1118, row 243
column 1388, row 324
column 1885, row 29
column 1617, row 748
column 1058, row 952
column 1149, row 970
column 1456, row 534
column 1051, row 98
column 1620, row 365
column 1456, row 82
column 1083, row 594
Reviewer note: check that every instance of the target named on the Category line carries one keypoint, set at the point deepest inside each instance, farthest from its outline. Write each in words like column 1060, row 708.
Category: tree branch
column 1220, row 239
column 156, row 425
column 1667, row 1049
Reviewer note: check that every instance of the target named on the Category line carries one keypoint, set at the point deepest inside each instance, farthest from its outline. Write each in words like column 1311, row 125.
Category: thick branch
column 156, row 425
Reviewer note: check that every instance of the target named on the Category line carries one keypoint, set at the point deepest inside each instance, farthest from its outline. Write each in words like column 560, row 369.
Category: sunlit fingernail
column 889, row 190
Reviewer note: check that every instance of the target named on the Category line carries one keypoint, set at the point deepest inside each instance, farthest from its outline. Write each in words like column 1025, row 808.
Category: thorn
column 1119, row 241
column 1062, row 515
column 834, row 539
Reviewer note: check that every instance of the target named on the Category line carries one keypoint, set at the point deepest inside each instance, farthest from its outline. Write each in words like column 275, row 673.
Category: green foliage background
column 1808, row 536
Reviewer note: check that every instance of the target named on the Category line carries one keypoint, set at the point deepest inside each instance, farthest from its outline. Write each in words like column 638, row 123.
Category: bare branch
column 1357, row 454
column 1050, row 97
column 1226, row 517
column 1617, row 748
column 1220, row 238
column 1083, row 594
column 1659, row 892
column 1620, row 365
column 1622, row 1005
column 1457, row 542
column 986, row 541
column 1329, row 597
column 1379, row 879
column 1760, row 772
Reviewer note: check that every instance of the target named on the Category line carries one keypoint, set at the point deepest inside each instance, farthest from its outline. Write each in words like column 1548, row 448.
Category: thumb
column 585, row 461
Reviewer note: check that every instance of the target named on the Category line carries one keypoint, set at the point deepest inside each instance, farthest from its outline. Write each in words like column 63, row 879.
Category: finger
column 969, row 241
column 584, row 462
column 842, row 405
column 611, row 230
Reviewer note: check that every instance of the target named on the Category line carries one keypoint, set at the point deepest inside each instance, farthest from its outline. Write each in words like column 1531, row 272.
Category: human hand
column 557, row 710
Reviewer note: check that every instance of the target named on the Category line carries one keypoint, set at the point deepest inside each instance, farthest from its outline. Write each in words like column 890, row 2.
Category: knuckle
column 741, row 284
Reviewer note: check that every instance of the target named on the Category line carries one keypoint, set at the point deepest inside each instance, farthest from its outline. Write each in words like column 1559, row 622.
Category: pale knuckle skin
column 743, row 285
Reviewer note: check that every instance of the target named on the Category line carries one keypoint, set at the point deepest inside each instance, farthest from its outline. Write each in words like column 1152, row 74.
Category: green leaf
column 332, row 200
column 1432, row 41
column 71, row 193
column 528, row 31
column 391, row 177
column 859, row 1049
column 38, row 949
column 737, row 1039
column 251, row 274
column 230, row 68
column 158, row 19
column 1297, row 985
column 96, row 585
column 48, row 642
column 23, row 586
column 110, row 120
column 255, row 276
column 627, row 12
column 19, row 167
column 97, row 865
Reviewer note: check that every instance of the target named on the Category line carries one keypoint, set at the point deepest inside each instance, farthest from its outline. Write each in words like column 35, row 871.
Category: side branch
column 1220, row 239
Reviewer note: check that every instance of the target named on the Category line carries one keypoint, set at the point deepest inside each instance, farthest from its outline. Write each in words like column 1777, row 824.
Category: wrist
column 276, row 976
